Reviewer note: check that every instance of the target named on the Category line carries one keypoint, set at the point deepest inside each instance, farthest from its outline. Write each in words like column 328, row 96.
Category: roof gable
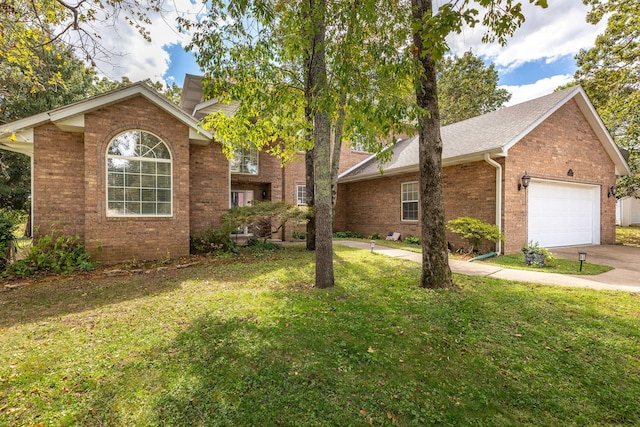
column 18, row 136
column 493, row 134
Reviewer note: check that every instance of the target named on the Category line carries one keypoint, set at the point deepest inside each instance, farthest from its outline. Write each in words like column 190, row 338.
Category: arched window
column 138, row 176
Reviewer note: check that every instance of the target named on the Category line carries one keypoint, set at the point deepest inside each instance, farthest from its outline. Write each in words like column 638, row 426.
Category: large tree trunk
column 435, row 260
column 321, row 149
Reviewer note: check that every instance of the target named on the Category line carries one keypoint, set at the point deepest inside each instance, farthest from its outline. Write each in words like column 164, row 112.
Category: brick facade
column 70, row 184
column 564, row 141
column 58, row 182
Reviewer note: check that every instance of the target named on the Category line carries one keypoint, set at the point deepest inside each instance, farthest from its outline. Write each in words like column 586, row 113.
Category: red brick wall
column 58, row 182
column 470, row 190
column 134, row 238
column 374, row 206
column 209, row 180
column 564, row 141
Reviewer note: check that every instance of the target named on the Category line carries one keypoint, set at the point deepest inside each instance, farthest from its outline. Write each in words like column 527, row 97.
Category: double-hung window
column 410, row 193
column 138, row 176
column 245, row 161
column 301, row 195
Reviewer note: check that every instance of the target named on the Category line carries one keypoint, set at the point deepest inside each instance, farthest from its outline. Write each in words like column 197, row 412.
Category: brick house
column 135, row 175
column 557, row 140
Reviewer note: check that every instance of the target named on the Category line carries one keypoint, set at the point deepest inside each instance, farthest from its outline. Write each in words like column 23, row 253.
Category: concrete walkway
column 480, row 269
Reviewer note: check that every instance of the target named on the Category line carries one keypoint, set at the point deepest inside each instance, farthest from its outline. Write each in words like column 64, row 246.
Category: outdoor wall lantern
column 373, row 245
column 524, row 181
column 582, row 257
column 613, row 190
column 264, row 194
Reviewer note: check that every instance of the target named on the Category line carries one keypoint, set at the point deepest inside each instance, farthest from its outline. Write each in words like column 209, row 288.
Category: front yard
column 246, row 341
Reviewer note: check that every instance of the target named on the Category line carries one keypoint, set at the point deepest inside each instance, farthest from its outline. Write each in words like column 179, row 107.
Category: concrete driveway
column 624, row 259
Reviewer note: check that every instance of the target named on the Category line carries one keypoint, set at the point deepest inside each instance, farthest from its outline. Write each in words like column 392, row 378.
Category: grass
column 247, row 341
column 628, row 236
column 558, row 265
column 516, row 261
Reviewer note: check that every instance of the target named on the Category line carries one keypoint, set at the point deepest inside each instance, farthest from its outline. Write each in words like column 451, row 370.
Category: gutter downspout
column 488, row 159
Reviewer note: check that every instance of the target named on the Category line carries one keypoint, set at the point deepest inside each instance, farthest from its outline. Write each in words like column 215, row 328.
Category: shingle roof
column 493, row 133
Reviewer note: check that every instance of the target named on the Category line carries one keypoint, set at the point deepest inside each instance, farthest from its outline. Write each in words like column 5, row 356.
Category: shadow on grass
column 377, row 349
column 53, row 296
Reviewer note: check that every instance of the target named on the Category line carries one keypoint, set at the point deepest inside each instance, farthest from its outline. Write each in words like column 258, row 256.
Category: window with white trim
column 301, row 195
column 138, row 176
column 410, row 193
column 245, row 161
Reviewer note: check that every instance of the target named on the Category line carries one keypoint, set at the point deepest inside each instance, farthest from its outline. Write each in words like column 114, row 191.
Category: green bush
column 537, row 256
column 347, row 235
column 475, row 231
column 212, row 240
column 300, row 235
column 412, row 240
column 52, row 253
column 374, row 236
column 257, row 246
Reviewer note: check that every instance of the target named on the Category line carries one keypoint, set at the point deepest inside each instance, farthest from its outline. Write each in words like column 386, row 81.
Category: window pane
column 164, row 182
column 132, row 208
column 132, row 181
column 116, row 208
column 148, row 181
column 148, row 167
column 116, row 179
column 148, row 208
column 132, row 195
column 149, row 195
column 117, row 165
column 164, row 195
column 125, row 144
column 116, row 194
column 164, row 168
column 133, row 166
column 164, row 208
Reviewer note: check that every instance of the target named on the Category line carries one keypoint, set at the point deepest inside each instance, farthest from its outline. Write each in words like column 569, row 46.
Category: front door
column 241, row 198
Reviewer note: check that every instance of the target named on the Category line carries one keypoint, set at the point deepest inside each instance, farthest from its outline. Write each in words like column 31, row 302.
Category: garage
column 563, row 214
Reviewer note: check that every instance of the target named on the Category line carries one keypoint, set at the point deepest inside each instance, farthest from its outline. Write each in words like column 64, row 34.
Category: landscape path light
column 582, row 257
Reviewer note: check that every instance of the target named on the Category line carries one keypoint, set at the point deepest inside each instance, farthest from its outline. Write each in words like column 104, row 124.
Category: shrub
column 300, row 235
column 475, row 231
column 212, row 240
column 347, row 235
column 374, row 236
column 537, row 256
column 257, row 246
column 53, row 253
column 412, row 240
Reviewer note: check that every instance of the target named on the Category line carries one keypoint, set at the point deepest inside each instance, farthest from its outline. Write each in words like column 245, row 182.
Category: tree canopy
column 467, row 88
column 610, row 72
column 29, row 28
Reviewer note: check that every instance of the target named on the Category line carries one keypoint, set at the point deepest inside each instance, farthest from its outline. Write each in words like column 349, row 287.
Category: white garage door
column 563, row 214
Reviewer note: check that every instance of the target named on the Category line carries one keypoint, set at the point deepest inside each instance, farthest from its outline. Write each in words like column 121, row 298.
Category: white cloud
column 547, row 35
column 539, row 88
column 132, row 56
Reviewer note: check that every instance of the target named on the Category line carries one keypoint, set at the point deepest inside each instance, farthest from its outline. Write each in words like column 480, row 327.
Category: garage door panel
column 562, row 214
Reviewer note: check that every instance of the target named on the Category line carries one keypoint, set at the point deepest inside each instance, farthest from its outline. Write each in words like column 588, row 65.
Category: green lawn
column 628, row 236
column 560, row 266
column 246, row 341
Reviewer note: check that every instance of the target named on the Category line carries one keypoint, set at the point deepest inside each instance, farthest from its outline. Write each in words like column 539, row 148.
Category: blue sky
column 539, row 58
